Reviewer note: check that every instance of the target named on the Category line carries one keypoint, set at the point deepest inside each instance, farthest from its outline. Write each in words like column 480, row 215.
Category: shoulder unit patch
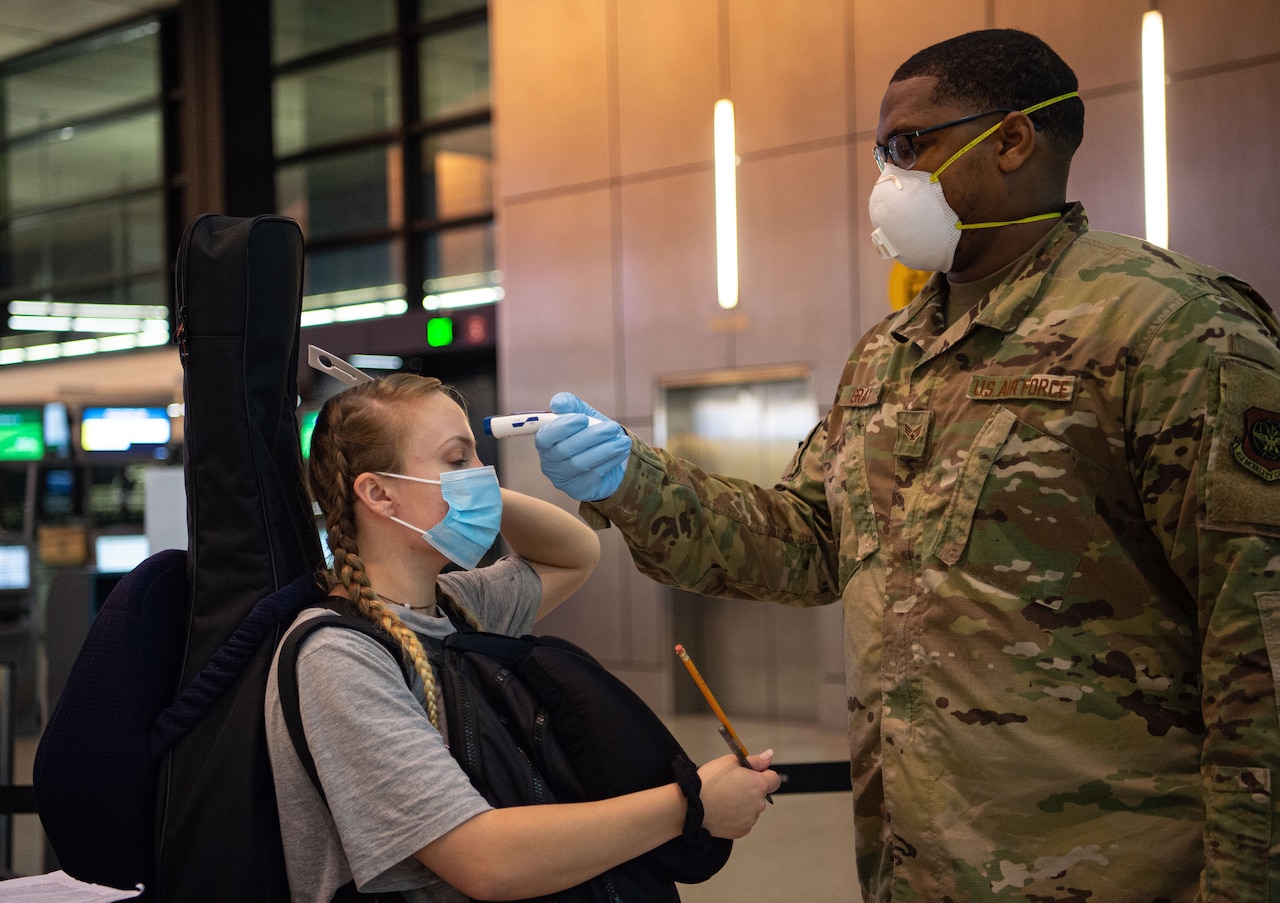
column 1258, row 448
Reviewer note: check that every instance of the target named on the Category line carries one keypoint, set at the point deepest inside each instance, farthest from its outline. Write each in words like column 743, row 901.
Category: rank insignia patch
column 913, row 433
column 1258, row 450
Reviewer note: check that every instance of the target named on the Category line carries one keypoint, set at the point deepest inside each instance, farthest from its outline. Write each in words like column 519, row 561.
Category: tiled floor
column 801, row 850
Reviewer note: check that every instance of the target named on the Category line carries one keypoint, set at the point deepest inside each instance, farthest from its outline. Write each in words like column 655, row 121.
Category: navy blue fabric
column 94, row 775
column 228, row 662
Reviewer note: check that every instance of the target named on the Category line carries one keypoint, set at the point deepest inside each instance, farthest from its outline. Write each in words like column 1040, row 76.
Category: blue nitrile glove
column 583, row 460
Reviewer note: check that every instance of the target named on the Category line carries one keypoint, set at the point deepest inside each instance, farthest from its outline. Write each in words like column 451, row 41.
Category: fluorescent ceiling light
column 108, row 311
column 351, row 312
column 78, row 347
column 1155, row 160
column 462, row 290
column 353, row 296
column 464, row 297
column 726, row 162
column 375, row 361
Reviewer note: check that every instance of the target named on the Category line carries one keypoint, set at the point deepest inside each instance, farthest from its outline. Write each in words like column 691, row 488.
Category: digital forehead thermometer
column 525, row 424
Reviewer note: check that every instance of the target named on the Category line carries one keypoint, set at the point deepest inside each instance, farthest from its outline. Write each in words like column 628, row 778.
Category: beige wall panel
column 556, row 322
column 595, row 615
column 886, row 34
column 550, row 93
column 793, row 236
column 1107, row 171
column 668, row 264
column 1099, row 39
column 668, row 55
column 619, row 615
column 1224, row 208
column 647, row 639
column 1200, row 33
column 787, row 71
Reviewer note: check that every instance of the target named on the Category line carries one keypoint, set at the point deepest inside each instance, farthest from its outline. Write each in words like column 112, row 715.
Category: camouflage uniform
column 1055, row 531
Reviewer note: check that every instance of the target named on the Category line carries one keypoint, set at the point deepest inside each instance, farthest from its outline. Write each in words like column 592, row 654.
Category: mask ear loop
column 933, row 176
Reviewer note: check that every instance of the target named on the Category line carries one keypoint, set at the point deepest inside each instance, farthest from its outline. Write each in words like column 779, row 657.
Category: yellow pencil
column 736, row 741
column 726, row 729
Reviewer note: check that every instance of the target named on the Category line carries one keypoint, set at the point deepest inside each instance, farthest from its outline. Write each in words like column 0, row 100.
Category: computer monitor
column 56, row 494
column 114, row 492
column 15, row 567
column 119, row 429
column 13, row 497
column 120, row 553
column 57, row 429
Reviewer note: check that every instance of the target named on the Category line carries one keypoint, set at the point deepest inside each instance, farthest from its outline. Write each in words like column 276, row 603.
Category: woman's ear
column 1015, row 141
column 371, row 492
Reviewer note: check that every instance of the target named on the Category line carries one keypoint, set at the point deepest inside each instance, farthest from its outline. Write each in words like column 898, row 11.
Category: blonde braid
column 461, row 611
column 350, row 573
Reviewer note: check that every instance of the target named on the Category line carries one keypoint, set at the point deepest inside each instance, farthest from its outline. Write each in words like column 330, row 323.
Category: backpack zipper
column 536, row 784
column 180, row 289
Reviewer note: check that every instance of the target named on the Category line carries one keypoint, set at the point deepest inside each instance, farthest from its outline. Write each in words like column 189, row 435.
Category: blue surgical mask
column 474, row 517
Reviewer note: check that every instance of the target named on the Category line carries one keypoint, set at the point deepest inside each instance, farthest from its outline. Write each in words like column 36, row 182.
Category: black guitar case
column 250, row 533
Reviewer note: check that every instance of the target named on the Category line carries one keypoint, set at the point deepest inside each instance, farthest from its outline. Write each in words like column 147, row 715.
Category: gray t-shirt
column 391, row 784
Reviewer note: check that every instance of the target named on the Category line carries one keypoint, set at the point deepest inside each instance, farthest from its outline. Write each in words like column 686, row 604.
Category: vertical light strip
column 726, row 159
column 1155, row 160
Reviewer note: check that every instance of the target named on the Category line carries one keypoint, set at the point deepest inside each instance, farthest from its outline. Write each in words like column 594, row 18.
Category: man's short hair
column 1003, row 68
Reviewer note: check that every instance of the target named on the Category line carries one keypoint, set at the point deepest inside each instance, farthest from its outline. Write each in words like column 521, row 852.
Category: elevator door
column 760, row 658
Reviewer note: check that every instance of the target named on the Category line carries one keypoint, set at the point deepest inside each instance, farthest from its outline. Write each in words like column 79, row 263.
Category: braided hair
column 359, row 430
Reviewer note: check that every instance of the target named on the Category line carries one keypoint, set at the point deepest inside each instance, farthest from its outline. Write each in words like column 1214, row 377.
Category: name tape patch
column 1028, row 386
column 861, row 396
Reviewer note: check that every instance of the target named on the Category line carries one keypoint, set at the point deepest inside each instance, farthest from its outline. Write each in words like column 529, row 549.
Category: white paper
column 59, row 887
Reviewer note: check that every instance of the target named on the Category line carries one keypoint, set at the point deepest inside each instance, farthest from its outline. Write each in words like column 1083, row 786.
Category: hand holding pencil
column 726, row 729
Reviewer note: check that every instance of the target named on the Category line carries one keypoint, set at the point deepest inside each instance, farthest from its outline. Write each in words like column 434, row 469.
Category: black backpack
column 536, row 719
column 99, row 760
column 101, row 757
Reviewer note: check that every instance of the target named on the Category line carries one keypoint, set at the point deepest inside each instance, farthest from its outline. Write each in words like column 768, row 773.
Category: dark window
column 83, row 259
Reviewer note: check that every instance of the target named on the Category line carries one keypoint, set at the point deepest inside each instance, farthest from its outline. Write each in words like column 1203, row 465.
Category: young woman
column 395, row 472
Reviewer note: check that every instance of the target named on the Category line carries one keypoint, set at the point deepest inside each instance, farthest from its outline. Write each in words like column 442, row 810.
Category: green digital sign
column 21, row 434
column 439, row 332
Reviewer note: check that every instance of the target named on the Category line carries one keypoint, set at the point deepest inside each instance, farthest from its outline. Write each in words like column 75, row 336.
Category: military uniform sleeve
column 1204, row 417
column 723, row 536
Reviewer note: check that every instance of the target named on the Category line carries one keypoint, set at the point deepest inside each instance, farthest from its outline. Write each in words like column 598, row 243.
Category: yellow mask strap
column 933, row 176
column 1012, row 222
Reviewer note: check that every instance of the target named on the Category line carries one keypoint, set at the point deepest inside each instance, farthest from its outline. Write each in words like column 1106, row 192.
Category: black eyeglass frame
column 885, row 153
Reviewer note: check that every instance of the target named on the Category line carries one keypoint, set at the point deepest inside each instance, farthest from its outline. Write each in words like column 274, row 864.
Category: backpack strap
column 287, row 672
column 287, row 683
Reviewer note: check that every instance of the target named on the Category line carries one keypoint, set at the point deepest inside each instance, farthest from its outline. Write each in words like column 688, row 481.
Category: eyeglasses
column 901, row 152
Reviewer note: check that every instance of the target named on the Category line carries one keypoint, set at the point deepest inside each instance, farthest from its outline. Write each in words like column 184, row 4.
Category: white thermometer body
column 523, row 424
